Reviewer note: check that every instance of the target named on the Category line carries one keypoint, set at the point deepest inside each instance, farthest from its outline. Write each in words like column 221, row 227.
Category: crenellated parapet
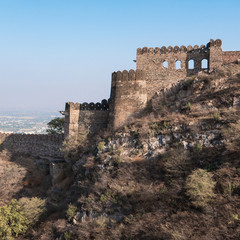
column 85, row 117
column 174, row 50
column 126, row 76
column 216, row 43
column 102, row 106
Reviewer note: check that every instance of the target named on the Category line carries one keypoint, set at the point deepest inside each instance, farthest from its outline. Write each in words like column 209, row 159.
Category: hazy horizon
column 55, row 51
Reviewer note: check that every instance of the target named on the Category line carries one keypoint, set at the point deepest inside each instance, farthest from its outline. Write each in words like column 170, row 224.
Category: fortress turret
column 128, row 96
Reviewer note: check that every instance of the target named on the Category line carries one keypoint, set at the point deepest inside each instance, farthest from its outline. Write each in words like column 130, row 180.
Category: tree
column 56, row 126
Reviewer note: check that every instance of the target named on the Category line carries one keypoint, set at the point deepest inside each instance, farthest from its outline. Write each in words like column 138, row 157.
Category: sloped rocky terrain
column 20, row 176
column 172, row 174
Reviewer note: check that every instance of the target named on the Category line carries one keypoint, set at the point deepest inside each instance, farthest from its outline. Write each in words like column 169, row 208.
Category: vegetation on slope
column 172, row 174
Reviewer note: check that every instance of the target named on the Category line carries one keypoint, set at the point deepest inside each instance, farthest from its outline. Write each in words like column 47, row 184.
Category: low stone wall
column 33, row 144
column 230, row 56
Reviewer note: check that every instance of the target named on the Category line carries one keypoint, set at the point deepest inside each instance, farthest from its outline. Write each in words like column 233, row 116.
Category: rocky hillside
column 172, row 174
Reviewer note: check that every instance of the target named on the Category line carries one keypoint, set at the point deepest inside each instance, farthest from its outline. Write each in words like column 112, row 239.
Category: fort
column 157, row 69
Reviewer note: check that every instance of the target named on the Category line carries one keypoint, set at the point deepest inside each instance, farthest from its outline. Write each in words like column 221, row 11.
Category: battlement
column 172, row 50
column 216, row 43
column 130, row 75
column 104, row 105
column 179, row 49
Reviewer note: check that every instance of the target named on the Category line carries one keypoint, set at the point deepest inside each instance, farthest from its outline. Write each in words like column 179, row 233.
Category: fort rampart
column 156, row 69
column 86, row 118
column 32, row 144
column 231, row 56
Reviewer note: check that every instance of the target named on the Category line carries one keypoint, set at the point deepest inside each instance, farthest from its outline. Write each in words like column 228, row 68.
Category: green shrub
column 12, row 221
column 120, row 150
column 135, row 133
column 198, row 147
column 119, row 160
column 33, row 208
column 188, row 83
column 199, row 187
column 71, row 211
column 67, row 235
column 103, row 198
column 189, row 106
column 216, row 116
column 158, row 127
column 56, row 126
column 100, row 146
column 235, row 217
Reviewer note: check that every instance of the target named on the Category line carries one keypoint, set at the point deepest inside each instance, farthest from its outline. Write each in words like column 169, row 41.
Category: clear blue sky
column 54, row 51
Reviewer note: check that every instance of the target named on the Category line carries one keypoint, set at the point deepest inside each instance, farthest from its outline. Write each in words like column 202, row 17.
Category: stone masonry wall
column 215, row 57
column 230, row 56
column 160, row 76
column 36, row 145
column 86, row 118
column 128, row 96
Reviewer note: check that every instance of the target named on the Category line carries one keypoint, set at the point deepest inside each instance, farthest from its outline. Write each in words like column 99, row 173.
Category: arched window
column 165, row 64
column 191, row 64
column 204, row 64
column 178, row 64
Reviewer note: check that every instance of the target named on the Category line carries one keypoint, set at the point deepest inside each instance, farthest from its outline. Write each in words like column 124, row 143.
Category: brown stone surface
column 32, row 144
column 129, row 96
column 159, row 76
column 230, row 56
column 80, row 119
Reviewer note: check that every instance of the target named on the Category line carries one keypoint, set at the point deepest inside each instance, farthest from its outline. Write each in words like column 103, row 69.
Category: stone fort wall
column 32, row 144
column 156, row 69
column 128, row 96
column 85, row 118
column 167, row 65
column 231, row 56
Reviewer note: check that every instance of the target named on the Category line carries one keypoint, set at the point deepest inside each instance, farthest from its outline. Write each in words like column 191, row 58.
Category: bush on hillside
column 33, row 208
column 71, row 211
column 12, row 221
column 200, row 186
column 176, row 162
